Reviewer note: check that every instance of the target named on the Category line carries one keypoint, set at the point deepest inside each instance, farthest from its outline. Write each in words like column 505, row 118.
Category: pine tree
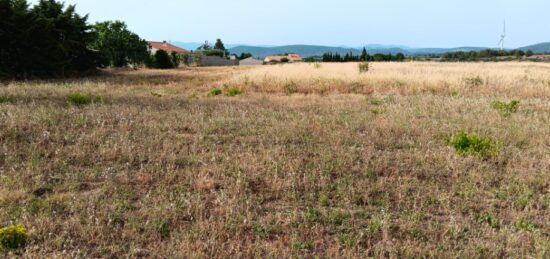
column 364, row 55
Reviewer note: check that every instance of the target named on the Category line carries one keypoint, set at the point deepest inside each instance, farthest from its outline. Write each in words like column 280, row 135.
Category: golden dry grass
column 511, row 79
column 157, row 169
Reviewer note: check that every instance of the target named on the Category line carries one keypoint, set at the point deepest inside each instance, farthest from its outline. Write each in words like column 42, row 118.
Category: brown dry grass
column 158, row 169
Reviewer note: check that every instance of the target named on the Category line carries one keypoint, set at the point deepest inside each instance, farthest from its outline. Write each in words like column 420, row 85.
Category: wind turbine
column 502, row 37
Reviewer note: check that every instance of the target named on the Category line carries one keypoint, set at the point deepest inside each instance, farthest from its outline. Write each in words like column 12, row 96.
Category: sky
column 413, row 23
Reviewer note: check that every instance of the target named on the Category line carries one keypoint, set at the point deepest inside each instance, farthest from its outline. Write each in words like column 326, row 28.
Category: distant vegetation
column 245, row 55
column 218, row 50
column 349, row 57
column 487, row 54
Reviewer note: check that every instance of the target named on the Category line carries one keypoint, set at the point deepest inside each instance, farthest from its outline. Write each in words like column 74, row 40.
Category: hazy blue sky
column 427, row 23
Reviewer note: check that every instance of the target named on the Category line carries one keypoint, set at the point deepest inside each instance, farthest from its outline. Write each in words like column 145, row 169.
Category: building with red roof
column 155, row 45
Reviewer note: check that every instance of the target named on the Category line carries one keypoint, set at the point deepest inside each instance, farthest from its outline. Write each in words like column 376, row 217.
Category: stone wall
column 208, row 61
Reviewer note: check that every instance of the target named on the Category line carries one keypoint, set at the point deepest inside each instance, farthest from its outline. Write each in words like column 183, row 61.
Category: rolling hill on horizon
column 318, row 50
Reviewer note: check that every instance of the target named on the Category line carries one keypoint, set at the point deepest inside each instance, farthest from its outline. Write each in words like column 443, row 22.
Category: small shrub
column 215, row 92
column 363, row 67
column 471, row 144
column 291, row 88
column 317, row 65
column 488, row 219
column 375, row 226
column 81, row 99
column 473, row 81
column 506, row 109
column 348, row 240
column 300, row 246
column 233, row 92
column 312, row 215
column 525, row 225
column 163, row 228
column 261, row 230
column 13, row 237
column 338, row 219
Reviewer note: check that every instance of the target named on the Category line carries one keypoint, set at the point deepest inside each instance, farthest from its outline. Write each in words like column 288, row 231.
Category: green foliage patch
column 233, row 92
column 7, row 99
column 13, row 237
column 215, row 92
column 471, row 144
column 506, row 109
column 82, row 99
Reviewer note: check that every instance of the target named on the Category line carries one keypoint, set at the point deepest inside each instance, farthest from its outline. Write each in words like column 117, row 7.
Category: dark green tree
column 118, row 45
column 245, row 56
column 47, row 40
column 400, row 57
column 219, row 45
column 162, row 60
column 364, row 55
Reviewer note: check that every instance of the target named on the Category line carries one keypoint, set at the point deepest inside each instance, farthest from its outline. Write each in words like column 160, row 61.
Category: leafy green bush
column 162, row 60
column 233, row 92
column 215, row 92
column 13, row 237
column 506, row 109
column 471, row 144
column 363, row 67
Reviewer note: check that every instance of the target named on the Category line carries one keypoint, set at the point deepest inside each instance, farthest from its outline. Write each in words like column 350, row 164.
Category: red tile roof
column 167, row 47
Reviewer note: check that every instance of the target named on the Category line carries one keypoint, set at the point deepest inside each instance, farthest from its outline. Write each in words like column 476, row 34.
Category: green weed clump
column 524, row 225
column 233, row 92
column 363, row 67
column 215, row 92
column 471, row 144
column 506, row 109
column 13, row 237
column 81, row 99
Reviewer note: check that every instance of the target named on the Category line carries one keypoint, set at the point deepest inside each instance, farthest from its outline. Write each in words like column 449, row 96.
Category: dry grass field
column 307, row 161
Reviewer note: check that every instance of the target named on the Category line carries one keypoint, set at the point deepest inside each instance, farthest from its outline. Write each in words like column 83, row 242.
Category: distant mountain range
column 314, row 50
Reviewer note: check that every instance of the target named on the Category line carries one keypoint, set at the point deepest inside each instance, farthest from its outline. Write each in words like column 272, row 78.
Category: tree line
column 50, row 39
column 364, row 56
column 485, row 54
